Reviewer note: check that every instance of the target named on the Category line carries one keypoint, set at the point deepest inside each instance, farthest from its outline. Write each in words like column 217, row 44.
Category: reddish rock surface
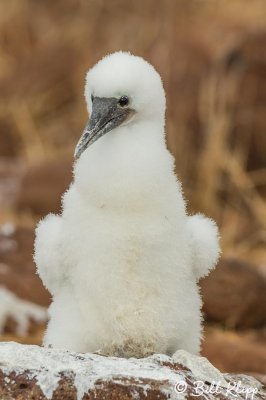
column 242, row 351
column 31, row 372
column 235, row 294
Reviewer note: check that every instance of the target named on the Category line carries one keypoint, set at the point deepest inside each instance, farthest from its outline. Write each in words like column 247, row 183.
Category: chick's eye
column 92, row 98
column 123, row 101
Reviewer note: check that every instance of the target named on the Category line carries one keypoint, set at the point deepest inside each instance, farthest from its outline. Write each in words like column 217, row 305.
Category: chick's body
column 123, row 259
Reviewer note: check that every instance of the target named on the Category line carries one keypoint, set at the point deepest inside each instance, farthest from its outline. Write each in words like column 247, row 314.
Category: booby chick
column 123, row 259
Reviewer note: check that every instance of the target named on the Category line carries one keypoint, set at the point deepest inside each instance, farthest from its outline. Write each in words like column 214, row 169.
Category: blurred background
column 212, row 58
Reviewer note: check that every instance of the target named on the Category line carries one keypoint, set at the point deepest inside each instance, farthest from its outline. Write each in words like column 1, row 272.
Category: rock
column 241, row 352
column 235, row 294
column 31, row 372
column 43, row 185
column 17, row 269
column 261, row 378
column 17, row 315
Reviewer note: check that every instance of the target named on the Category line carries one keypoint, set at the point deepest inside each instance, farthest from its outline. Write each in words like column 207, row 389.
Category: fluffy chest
column 125, row 251
column 128, row 266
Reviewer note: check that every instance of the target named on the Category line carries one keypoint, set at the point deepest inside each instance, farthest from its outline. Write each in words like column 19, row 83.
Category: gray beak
column 106, row 115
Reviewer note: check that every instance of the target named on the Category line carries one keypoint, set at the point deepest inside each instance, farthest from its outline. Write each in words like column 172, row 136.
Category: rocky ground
column 30, row 372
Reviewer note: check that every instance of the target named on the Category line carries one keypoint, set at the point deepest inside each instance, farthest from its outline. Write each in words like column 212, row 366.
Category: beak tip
column 76, row 153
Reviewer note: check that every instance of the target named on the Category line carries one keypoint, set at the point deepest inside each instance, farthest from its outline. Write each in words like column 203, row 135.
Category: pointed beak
column 106, row 115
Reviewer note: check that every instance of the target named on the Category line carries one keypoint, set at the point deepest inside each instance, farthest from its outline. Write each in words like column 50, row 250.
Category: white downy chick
column 123, row 258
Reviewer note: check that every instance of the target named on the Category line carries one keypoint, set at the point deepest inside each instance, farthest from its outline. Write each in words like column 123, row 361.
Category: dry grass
column 215, row 122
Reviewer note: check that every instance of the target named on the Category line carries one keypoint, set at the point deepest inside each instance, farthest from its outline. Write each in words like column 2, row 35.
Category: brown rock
column 238, row 352
column 34, row 336
column 17, row 269
column 35, row 330
column 18, row 316
column 43, row 185
column 235, row 294
column 31, row 372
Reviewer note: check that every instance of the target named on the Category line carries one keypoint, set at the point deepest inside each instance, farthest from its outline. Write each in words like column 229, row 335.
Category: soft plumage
column 123, row 259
